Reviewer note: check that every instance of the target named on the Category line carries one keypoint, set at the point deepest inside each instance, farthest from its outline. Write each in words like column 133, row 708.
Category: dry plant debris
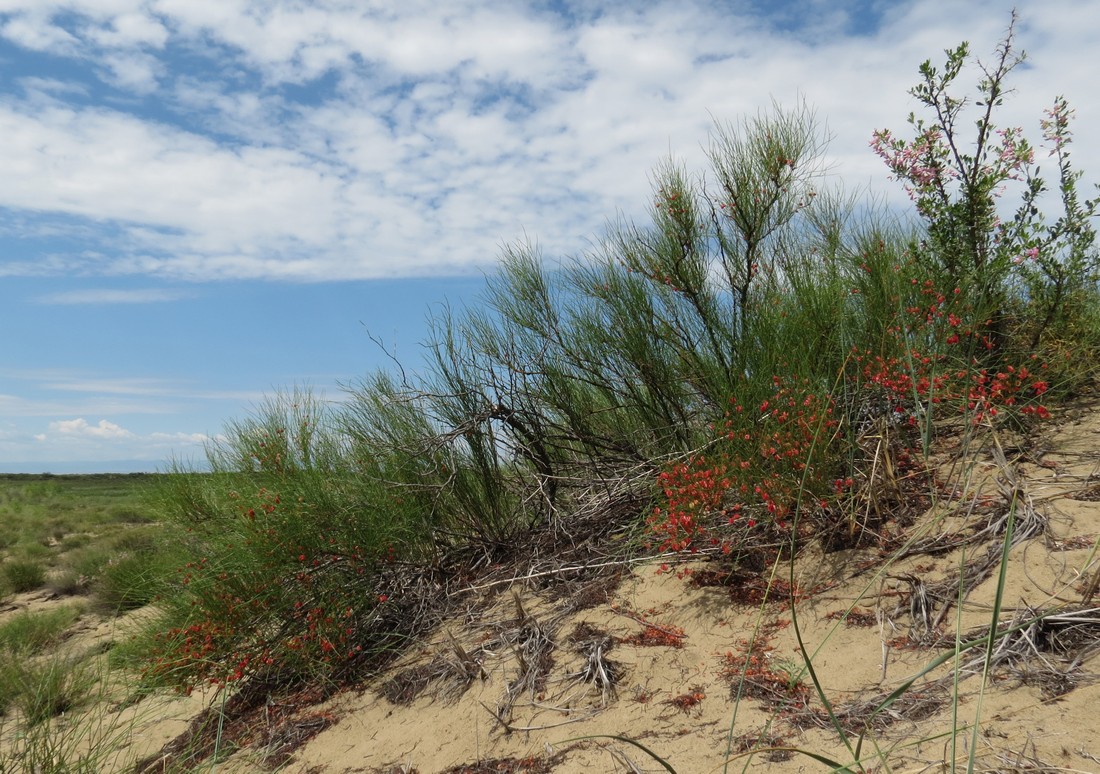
column 529, row 765
column 771, row 746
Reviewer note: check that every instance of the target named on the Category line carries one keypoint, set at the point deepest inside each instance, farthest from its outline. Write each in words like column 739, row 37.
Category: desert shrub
column 129, row 515
column 32, row 550
column 958, row 319
column 127, row 571
column 131, row 581
column 87, row 561
column 42, row 489
column 74, row 540
column 1033, row 270
column 735, row 360
column 137, row 540
column 41, row 688
column 290, row 538
column 54, row 529
column 9, row 684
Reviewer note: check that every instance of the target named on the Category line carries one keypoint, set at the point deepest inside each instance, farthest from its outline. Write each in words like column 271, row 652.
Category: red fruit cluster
column 791, row 453
column 755, row 471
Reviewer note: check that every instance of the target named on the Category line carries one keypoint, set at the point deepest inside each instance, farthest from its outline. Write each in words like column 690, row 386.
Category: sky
column 203, row 202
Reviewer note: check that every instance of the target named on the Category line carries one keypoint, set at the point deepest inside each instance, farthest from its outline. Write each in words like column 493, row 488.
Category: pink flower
column 1031, row 253
column 919, row 163
column 1056, row 125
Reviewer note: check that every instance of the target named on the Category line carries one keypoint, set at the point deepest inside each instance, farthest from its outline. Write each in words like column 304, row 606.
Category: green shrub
column 10, row 686
column 137, row 540
column 42, row 688
column 290, row 541
column 129, row 515
column 124, row 571
column 88, row 561
column 55, row 529
column 29, row 550
column 42, row 490
column 23, row 574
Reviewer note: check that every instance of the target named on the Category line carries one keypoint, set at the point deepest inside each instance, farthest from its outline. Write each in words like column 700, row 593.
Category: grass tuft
column 21, row 575
column 31, row 631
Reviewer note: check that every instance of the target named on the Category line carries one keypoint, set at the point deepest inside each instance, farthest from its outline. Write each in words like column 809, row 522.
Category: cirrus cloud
column 330, row 140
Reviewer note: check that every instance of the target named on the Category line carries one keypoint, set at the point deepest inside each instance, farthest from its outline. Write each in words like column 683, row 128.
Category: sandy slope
column 677, row 700
column 657, row 659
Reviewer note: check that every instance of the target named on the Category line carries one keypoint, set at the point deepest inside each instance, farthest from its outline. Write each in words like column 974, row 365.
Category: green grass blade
column 664, row 764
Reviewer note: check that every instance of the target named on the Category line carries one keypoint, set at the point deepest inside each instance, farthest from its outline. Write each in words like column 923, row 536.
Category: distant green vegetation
column 90, row 537
column 83, row 535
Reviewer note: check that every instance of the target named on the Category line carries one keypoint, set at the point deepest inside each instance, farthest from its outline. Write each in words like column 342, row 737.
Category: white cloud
column 51, row 87
column 109, row 386
column 191, row 439
column 38, row 34
column 316, row 140
column 130, row 29
column 112, row 296
column 78, row 440
column 133, row 71
column 134, row 418
column 79, row 427
column 58, row 392
column 447, row 128
column 20, row 406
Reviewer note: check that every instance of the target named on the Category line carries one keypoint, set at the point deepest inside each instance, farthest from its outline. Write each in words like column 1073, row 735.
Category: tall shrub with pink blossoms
column 1033, row 276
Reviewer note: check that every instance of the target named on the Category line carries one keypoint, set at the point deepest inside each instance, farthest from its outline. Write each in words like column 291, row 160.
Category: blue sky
column 203, row 201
